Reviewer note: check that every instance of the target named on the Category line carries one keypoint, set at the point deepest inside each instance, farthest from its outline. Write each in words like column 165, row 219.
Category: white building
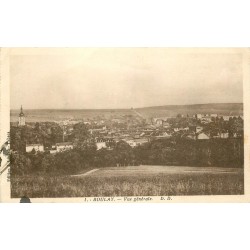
column 224, row 135
column 87, row 123
column 36, row 147
column 62, row 146
column 97, row 130
column 159, row 122
column 205, row 120
column 131, row 143
column 100, row 145
column 198, row 116
column 53, row 150
column 141, row 141
column 136, row 142
column 202, row 136
column 227, row 117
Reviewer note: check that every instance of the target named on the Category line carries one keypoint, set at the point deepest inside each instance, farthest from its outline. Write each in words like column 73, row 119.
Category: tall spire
column 21, row 111
column 21, row 117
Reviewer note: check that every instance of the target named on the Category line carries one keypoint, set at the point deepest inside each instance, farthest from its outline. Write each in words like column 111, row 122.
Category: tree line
column 173, row 151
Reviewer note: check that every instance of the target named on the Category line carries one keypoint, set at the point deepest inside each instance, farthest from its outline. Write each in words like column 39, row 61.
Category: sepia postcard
column 125, row 125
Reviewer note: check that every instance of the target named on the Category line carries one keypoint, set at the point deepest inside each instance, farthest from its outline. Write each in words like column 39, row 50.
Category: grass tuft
column 156, row 185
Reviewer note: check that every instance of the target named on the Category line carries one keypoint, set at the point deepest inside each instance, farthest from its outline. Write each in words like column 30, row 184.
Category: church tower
column 21, row 118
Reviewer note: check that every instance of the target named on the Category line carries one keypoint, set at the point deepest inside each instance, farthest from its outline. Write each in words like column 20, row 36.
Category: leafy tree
column 19, row 164
column 80, row 132
column 48, row 164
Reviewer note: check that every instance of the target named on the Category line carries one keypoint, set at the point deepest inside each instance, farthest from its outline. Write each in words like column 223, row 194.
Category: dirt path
column 87, row 173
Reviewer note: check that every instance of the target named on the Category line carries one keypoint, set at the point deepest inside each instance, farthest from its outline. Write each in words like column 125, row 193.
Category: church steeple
column 21, row 117
column 21, row 110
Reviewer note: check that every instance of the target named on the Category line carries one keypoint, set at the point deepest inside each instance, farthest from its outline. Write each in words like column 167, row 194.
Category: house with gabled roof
column 203, row 136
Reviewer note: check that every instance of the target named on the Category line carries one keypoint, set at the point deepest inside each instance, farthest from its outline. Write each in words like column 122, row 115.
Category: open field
column 133, row 181
column 146, row 170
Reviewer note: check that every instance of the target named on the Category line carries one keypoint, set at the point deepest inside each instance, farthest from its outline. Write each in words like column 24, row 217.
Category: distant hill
column 42, row 115
column 211, row 108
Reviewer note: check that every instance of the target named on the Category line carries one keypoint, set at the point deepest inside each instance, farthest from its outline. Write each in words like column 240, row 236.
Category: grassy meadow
column 160, row 184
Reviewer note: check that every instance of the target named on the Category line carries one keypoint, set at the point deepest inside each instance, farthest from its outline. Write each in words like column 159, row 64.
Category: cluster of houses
column 58, row 147
column 161, row 122
column 206, row 135
column 105, row 136
column 203, row 118
column 108, row 142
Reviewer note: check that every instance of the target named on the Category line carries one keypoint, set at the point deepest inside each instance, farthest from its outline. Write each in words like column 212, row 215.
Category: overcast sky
column 123, row 77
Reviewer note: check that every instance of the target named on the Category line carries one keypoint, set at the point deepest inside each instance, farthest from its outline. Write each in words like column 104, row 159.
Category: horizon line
column 128, row 108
